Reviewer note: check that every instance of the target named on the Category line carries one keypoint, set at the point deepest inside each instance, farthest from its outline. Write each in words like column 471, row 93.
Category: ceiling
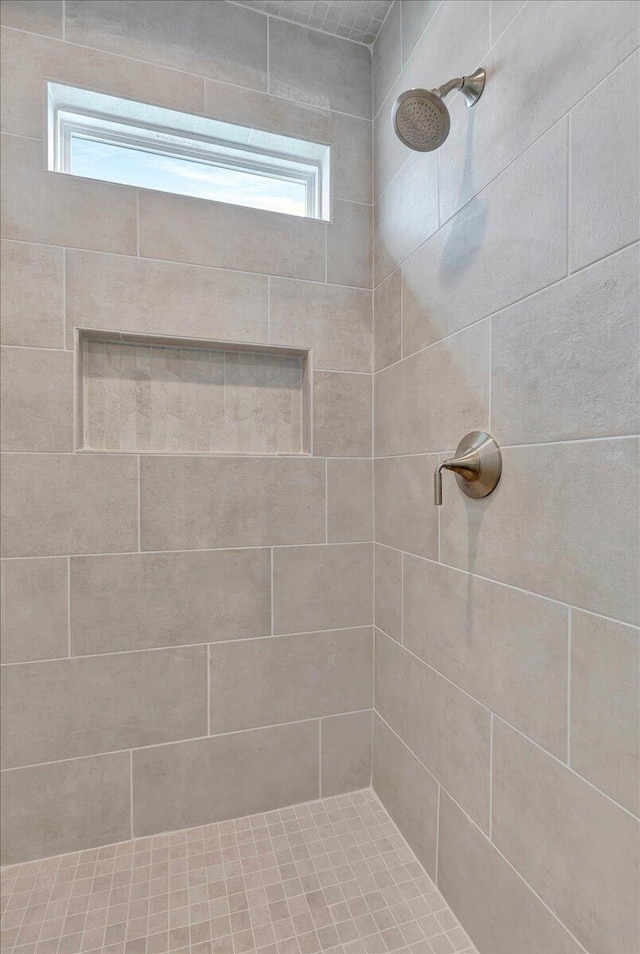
column 359, row 20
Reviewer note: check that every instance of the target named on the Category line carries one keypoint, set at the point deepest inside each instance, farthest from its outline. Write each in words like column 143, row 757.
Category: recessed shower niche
column 147, row 394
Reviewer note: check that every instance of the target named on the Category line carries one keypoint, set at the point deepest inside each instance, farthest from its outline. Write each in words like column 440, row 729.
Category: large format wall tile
column 327, row 587
column 335, row 322
column 194, row 503
column 219, row 40
column 58, row 503
column 387, row 318
column 118, row 293
column 442, row 726
column 32, row 295
column 349, row 500
column 345, row 753
column 605, row 702
column 350, row 245
column 500, row 912
column 548, row 377
column 430, row 400
column 507, row 243
column 72, row 707
column 58, row 209
column 65, row 806
column 27, row 60
column 502, row 13
column 39, row 16
column 562, row 522
column 202, row 781
column 203, row 232
column 504, row 124
column 34, row 609
column 408, row 792
column 314, row 68
column 405, row 515
column 605, row 168
column 342, row 422
column 576, row 849
column 387, row 55
column 505, row 647
column 144, row 600
column 289, row 678
column 416, row 16
column 37, row 400
column 388, row 591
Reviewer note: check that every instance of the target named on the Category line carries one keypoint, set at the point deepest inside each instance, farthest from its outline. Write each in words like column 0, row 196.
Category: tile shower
column 240, row 645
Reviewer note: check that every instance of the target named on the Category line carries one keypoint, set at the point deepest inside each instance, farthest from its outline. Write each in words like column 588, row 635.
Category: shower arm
column 449, row 87
column 469, row 86
column 467, row 466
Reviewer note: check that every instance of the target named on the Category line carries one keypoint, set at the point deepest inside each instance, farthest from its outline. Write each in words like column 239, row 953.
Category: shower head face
column 421, row 120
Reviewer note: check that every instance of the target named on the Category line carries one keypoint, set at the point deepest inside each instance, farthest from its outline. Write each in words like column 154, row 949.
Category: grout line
column 263, row 546
column 569, row 622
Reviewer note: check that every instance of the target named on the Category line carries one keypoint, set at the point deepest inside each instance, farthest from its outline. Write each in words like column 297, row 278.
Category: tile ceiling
column 358, row 20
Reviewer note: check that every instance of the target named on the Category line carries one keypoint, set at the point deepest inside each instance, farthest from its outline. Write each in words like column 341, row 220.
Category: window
column 118, row 140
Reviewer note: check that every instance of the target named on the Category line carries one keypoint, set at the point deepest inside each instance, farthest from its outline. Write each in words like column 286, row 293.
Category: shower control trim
column 477, row 466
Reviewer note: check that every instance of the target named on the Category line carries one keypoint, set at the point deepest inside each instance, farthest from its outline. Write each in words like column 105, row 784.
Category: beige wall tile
column 59, row 209
column 350, row 245
column 289, row 678
column 37, row 400
column 387, row 55
column 345, row 753
column 442, row 726
column 416, row 16
column 342, row 414
column 38, row 16
column 223, row 595
column 207, row 780
column 349, row 500
column 65, row 806
column 575, row 847
column 72, row 707
column 506, row 648
column 500, row 912
column 34, row 610
column 507, row 243
column 605, row 703
column 303, row 578
column 429, row 401
column 192, row 503
column 387, row 316
column 502, row 13
column 184, row 229
column 63, row 503
column 605, row 168
column 388, row 586
column 28, row 60
column 318, row 69
column 405, row 515
column 408, row 792
column 32, row 304
column 565, row 389
column 581, row 540
column 335, row 322
column 118, row 293
column 223, row 41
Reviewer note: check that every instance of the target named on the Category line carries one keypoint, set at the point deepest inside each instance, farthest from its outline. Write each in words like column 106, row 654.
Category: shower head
column 420, row 117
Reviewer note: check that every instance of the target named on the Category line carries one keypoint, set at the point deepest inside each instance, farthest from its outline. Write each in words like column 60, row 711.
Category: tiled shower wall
column 186, row 638
column 506, row 299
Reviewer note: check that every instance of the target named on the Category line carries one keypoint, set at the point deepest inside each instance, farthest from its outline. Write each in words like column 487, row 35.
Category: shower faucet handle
column 477, row 466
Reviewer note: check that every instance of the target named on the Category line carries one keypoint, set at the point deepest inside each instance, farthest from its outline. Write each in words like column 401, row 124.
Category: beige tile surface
column 416, row 16
column 34, row 609
column 196, row 502
column 91, row 806
column 303, row 577
column 165, row 599
column 388, row 587
column 408, row 792
column 205, row 780
column 37, row 400
column 442, row 726
column 605, row 702
column 387, row 55
column 582, row 544
column 287, row 678
column 502, row 13
column 576, row 848
column 32, row 295
column 405, row 515
column 349, row 500
column 72, row 707
column 38, row 16
column 350, row 245
column 345, row 752
column 335, row 322
column 56, row 504
column 387, row 314
column 342, row 414
column 506, row 648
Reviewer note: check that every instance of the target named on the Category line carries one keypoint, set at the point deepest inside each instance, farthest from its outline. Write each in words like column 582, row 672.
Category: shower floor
column 333, row 875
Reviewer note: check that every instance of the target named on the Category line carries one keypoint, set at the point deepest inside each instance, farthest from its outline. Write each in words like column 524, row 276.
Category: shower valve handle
column 477, row 466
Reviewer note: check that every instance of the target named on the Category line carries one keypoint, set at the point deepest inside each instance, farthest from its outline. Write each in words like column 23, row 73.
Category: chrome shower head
column 421, row 119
